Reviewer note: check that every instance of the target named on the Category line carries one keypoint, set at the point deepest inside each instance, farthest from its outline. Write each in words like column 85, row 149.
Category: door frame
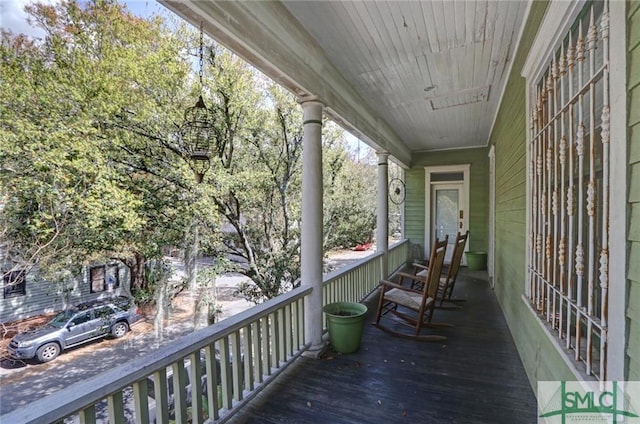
column 428, row 170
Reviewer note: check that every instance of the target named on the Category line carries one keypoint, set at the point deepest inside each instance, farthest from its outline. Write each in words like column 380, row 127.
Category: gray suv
column 74, row 326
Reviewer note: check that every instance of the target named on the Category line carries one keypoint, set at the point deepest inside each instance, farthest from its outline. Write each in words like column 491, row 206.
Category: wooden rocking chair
column 421, row 302
column 448, row 281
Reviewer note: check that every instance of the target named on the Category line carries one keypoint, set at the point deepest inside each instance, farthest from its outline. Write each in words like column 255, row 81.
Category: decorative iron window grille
column 569, row 190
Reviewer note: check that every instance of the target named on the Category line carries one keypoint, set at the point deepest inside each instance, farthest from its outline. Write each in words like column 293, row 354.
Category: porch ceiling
column 405, row 76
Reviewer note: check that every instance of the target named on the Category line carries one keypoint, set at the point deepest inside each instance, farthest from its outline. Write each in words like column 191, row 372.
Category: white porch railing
column 398, row 255
column 356, row 281
column 238, row 357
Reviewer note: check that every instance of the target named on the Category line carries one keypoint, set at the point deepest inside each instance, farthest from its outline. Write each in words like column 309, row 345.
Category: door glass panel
column 447, row 210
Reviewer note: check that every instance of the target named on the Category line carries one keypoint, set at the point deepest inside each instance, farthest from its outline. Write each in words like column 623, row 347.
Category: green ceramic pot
column 346, row 324
column 476, row 261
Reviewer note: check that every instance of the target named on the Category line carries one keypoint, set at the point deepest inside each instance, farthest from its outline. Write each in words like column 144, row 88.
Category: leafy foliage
column 92, row 165
column 350, row 198
column 73, row 191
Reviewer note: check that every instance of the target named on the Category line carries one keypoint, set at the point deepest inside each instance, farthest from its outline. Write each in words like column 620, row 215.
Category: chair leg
column 429, row 323
column 448, row 295
column 380, row 305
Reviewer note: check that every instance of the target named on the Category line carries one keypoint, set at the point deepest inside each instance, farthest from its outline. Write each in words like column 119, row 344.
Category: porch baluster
column 195, row 379
column 140, row 402
column 115, row 406
column 300, row 321
column 266, row 350
column 288, row 331
column 226, row 379
column 161, row 396
column 249, row 355
column 256, row 342
column 274, row 341
column 282, row 336
column 236, row 366
column 212, row 380
column 88, row 415
column 179, row 395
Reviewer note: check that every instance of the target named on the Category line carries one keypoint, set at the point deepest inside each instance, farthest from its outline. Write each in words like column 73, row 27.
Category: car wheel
column 48, row 352
column 119, row 329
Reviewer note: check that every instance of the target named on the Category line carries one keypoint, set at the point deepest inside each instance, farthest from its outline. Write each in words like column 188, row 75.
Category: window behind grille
column 569, row 191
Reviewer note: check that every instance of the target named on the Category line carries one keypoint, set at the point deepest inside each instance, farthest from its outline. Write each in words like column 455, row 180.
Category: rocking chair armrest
column 413, row 276
column 390, row 284
column 418, row 265
column 385, row 284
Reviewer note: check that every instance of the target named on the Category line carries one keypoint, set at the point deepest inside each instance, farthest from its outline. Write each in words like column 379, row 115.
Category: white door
column 448, row 213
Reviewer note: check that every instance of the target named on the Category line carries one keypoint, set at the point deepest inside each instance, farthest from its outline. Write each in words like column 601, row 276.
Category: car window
column 123, row 303
column 103, row 312
column 62, row 318
column 81, row 318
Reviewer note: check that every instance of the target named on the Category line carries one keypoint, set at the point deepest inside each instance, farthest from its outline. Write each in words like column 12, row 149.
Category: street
column 21, row 382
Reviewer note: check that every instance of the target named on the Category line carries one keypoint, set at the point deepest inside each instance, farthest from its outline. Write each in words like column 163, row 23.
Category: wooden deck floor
column 476, row 376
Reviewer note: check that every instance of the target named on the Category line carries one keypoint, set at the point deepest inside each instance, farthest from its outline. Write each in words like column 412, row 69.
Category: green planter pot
column 346, row 324
column 476, row 261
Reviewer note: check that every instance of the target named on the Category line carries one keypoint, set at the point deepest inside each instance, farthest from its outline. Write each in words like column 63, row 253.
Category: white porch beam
column 311, row 238
column 382, row 231
column 266, row 35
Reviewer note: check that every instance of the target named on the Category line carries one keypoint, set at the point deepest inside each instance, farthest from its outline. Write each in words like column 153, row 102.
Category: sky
column 13, row 17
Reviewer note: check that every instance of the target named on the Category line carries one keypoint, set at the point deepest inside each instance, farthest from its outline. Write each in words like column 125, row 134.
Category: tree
column 93, row 166
column 73, row 191
column 257, row 173
column 350, row 197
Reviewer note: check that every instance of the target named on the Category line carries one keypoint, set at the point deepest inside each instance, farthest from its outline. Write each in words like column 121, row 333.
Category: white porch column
column 311, row 238
column 382, row 233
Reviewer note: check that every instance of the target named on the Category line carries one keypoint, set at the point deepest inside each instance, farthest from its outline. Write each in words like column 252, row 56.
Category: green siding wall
column 478, row 196
column 539, row 356
column 414, row 206
column 633, row 309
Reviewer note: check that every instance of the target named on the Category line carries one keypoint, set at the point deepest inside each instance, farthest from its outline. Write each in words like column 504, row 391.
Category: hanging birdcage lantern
column 198, row 130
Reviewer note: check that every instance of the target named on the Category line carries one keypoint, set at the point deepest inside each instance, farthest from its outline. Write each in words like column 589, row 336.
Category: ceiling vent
column 460, row 98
